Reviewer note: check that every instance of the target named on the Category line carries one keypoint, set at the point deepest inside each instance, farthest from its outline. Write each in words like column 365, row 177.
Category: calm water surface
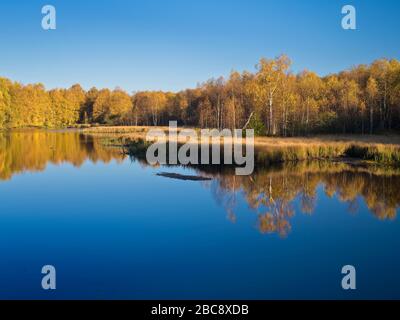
column 113, row 229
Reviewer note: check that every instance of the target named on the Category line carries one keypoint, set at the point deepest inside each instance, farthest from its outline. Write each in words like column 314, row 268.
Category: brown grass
column 140, row 131
column 375, row 148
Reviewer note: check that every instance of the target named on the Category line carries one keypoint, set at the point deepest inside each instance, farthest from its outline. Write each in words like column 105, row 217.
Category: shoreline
column 355, row 149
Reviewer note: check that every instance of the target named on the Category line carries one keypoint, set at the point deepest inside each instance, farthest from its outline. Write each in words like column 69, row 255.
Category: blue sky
column 175, row 44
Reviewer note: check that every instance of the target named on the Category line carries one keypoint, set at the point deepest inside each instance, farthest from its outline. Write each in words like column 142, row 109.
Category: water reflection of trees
column 33, row 150
column 272, row 192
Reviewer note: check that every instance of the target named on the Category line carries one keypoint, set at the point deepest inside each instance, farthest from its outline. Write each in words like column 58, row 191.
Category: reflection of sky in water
column 118, row 231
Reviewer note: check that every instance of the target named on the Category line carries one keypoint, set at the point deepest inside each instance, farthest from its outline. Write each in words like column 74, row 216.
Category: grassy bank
column 379, row 153
column 335, row 151
column 381, row 149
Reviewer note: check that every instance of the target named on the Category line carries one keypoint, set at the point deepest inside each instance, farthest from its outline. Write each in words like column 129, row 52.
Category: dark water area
column 114, row 228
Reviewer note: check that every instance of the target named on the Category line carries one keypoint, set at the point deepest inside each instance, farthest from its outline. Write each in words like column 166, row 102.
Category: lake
column 114, row 229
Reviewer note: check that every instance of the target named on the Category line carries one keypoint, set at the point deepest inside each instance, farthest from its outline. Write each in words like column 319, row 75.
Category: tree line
column 272, row 100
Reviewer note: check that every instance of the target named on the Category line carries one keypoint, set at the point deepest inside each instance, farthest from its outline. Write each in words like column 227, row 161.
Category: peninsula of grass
column 378, row 149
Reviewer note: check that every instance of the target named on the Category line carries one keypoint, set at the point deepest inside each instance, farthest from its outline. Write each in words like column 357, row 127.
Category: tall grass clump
column 300, row 152
column 385, row 154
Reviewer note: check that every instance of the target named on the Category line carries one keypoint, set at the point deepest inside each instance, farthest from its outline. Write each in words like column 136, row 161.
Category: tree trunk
column 371, row 119
column 248, row 120
column 234, row 112
column 307, row 117
column 270, row 129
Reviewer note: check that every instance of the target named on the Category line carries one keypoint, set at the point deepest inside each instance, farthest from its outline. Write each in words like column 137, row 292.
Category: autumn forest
column 272, row 100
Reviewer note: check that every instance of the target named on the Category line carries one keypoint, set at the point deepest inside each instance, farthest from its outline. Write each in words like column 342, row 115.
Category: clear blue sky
column 175, row 44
